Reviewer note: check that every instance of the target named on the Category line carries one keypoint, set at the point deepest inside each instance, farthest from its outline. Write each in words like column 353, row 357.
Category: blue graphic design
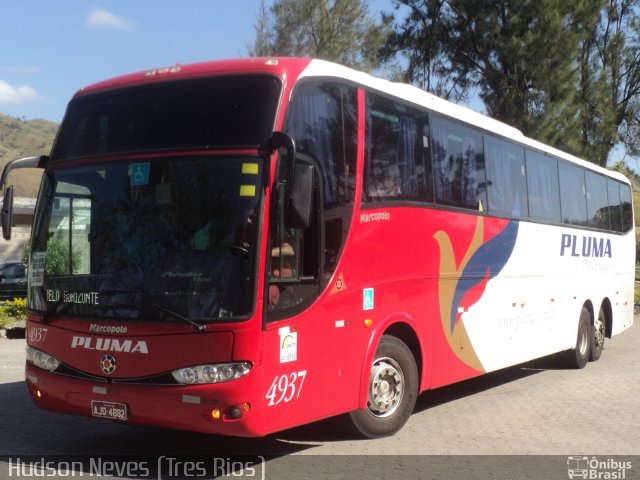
column 485, row 263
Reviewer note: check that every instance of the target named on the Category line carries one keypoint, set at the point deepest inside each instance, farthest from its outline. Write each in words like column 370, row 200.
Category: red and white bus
column 240, row 247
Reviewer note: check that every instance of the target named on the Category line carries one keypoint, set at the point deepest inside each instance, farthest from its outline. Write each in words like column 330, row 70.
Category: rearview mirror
column 7, row 212
column 7, row 207
column 301, row 199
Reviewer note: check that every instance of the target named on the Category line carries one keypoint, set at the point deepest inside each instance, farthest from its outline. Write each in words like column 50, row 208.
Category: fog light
column 215, row 414
column 38, row 394
column 246, row 407
column 235, row 412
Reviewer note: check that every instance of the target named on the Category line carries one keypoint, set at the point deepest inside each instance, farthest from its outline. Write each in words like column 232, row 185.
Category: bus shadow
column 488, row 381
column 337, row 429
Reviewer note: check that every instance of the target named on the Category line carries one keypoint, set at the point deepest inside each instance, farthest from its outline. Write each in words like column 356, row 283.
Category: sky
column 50, row 49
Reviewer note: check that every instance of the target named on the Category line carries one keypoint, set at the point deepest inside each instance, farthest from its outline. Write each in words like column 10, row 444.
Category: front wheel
column 392, row 393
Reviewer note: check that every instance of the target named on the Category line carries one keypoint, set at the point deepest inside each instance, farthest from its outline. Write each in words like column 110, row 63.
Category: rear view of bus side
column 338, row 246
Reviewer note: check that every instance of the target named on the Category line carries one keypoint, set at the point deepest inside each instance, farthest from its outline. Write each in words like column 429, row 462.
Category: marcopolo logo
column 595, row 468
column 109, row 329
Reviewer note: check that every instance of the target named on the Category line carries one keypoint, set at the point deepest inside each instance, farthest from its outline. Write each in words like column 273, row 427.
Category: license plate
column 110, row 410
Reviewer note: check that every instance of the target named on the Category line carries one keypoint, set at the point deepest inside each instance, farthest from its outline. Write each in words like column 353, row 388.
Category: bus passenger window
column 615, row 207
column 506, row 181
column 597, row 203
column 627, row 208
column 398, row 163
column 542, row 186
column 573, row 194
column 459, row 165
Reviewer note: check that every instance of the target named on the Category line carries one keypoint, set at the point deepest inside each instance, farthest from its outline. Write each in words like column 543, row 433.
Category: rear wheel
column 579, row 356
column 598, row 332
column 392, row 392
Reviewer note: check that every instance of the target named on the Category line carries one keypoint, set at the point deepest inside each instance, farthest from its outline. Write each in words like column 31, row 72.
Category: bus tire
column 598, row 333
column 578, row 356
column 392, row 390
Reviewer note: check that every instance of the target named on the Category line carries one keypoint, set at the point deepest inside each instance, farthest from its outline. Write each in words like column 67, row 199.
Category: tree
column 609, row 87
column 519, row 55
column 336, row 30
column 564, row 72
column 420, row 40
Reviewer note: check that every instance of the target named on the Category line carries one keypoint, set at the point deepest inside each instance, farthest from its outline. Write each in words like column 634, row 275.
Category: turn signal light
column 215, row 414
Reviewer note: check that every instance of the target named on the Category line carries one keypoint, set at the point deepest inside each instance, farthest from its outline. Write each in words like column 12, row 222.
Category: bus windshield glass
column 159, row 238
column 202, row 113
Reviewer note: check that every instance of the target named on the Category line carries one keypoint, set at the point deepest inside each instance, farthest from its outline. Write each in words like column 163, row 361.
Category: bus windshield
column 164, row 238
column 212, row 112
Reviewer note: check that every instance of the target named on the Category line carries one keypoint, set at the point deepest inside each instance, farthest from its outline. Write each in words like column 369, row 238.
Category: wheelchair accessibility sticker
column 140, row 174
column 367, row 299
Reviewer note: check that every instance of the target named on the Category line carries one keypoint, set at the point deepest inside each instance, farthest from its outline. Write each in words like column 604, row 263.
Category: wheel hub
column 386, row 387
column 599, row 332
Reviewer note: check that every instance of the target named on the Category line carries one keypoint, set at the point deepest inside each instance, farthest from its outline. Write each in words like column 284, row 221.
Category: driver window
column 294, row 263
column 322, row 120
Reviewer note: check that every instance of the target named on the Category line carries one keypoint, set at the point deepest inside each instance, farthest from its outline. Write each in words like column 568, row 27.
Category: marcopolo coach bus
column 240, row 247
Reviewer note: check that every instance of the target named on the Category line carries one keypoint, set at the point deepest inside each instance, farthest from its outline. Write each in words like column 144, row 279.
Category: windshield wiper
column 198, row 326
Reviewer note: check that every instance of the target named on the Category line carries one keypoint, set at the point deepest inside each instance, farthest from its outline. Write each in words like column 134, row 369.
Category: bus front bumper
column 225, row 408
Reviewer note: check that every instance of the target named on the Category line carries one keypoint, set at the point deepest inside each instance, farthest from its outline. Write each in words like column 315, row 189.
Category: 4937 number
column 285, row 388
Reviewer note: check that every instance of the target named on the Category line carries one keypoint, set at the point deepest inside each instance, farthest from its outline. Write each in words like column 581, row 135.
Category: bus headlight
column 213, row 373
column 41, row 359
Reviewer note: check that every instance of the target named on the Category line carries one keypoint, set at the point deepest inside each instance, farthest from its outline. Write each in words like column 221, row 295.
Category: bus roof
column 425, row 99
column 282, row 67
column 296, row 68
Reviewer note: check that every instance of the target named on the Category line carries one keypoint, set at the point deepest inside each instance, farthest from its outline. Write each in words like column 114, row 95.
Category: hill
column 19, row 138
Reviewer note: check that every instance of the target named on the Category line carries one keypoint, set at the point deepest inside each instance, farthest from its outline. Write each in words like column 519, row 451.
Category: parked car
column 13, row 279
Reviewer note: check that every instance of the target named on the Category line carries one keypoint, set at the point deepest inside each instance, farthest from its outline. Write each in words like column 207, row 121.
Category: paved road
column 532, row 409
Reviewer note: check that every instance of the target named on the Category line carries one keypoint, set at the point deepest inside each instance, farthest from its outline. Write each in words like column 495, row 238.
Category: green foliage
column 566, row 72
column 57, row 258
column 608, row 92
column 12, row 310
column 620, row 167
column 336, row 30
column 26, row 248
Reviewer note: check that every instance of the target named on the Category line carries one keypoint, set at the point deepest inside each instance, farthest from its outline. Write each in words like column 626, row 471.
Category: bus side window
column 322, row 120
column 627, row 207
column 506, row 180
column 597, row 203
column 398, row 163
column 543, row 187
column 573, row 194
column 458, row 159
column 615, row 206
